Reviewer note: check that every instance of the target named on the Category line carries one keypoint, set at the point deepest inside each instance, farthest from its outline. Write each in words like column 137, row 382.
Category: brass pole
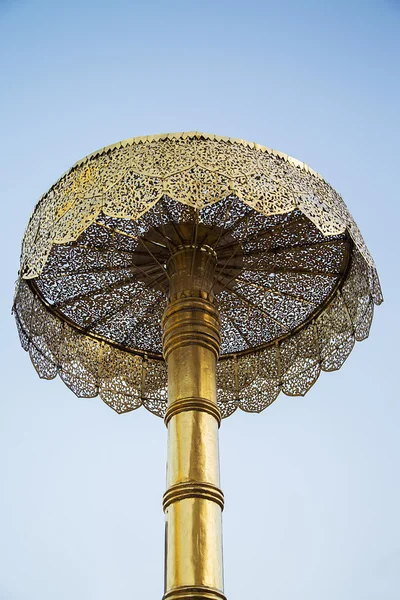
column 193, row 501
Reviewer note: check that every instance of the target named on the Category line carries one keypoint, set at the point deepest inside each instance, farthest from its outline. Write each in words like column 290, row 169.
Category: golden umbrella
column 195, row 275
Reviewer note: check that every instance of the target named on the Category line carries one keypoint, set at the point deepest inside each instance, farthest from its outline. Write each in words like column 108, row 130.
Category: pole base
column 194, row 593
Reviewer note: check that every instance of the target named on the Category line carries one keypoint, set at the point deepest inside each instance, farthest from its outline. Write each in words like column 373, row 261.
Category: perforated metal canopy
column 295, row 284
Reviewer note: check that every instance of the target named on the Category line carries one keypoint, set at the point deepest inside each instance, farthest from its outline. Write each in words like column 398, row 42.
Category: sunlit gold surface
column 193, row 500
column 208, row 261
column 296, row 285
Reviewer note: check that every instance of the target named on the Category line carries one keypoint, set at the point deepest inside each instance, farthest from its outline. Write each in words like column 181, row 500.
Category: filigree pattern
column 295, row 283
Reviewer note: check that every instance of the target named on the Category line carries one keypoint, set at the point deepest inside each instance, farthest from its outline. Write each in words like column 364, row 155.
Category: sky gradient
column 312, row 484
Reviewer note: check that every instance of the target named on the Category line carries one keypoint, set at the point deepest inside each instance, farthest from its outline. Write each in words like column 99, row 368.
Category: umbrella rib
column 175, row 228
column 137, row 239
column 95, row 270
column 164, row 236
column 238, row 329
column 133, row 237
column 168, row 215
column 272, row 291
column 218, row 240
column 143, row 318
column 113, row 286
column 115, row 230
column 297, row 248
column 234, row 276
column 153, row 257
column 233, row 228
column 112, row 314
column 161, row 234
column 278, row 227
column 223, row 233
column 235, row 250
column 102, row 250
column 268, row 232
column 276, row 269
column 284, row 270
column 258, row 308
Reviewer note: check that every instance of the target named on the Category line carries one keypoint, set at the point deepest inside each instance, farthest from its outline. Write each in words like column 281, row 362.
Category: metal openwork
column 295, row 283
column 192, row 274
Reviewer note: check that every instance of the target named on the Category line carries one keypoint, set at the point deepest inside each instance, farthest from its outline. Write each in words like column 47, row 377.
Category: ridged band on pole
column 190, row 489
column 194, row 593
column 193, row 501
column 201, row 404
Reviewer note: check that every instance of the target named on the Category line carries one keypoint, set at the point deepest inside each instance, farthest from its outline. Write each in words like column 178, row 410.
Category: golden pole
column 193, row 501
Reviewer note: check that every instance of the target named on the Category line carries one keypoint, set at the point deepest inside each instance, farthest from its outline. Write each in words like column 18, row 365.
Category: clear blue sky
column 312, row 484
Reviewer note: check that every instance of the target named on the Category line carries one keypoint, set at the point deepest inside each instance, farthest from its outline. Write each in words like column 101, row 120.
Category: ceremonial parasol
column 194, row 275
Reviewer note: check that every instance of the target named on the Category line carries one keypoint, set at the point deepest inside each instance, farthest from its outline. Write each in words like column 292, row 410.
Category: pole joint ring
column 193, row 403
column 194, row 593
column 193, row 489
